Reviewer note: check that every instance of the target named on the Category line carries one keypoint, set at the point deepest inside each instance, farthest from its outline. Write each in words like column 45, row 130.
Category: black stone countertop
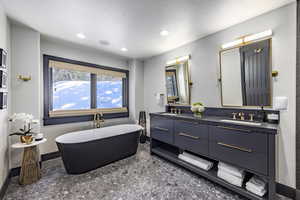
column 216, row 120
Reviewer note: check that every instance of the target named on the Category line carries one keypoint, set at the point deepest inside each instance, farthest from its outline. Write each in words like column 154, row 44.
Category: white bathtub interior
column 95, row 134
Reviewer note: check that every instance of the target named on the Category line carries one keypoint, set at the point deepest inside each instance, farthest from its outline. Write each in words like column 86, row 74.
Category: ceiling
column 134, row 24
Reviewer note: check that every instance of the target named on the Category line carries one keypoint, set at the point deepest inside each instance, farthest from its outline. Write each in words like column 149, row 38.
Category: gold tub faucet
column 98, row 119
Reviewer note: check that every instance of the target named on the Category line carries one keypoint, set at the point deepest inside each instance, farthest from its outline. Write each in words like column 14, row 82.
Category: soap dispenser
column 264, row 115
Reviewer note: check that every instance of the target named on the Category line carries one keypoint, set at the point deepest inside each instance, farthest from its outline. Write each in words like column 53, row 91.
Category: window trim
column 83, row 118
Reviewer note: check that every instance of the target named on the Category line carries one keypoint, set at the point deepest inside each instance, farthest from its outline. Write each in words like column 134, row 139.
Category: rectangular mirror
column 177, row 83
column 246, row 75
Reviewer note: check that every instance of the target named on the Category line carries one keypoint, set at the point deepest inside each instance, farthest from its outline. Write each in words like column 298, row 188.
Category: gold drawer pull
column 162, row 129
column 234, row 129
column 190, row 136
column 235, row 147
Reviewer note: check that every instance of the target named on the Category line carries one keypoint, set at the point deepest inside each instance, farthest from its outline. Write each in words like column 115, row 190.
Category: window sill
column 76, row 119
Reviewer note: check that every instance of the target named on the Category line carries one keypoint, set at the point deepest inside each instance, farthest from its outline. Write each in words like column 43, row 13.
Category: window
column 71, row 89
column 109, row 92
column 74, row 91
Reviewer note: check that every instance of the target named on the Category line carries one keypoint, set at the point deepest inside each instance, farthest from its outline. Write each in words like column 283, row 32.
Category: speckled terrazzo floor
column 140, row 177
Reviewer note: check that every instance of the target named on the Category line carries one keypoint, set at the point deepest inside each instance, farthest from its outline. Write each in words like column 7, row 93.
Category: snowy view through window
column 109, row 92
column 72, row 90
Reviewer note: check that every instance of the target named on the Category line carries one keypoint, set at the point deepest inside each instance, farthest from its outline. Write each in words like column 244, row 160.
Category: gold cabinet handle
column 234, row 129
column 189, row 136
column 235, row 147
column 161, row 129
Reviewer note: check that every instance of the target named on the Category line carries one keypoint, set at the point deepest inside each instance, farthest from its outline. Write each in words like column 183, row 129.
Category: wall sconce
column 258, row 36
column 24, row 78
column 178, row 60
column 232, row 44
column 275, row 73
column 249, row 38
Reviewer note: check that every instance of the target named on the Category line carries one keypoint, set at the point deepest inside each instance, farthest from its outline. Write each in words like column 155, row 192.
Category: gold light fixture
column 23, row 78
column 232, row 44
column 178, row 60
column 274, row 73
column 258, row 36
column 248, row 38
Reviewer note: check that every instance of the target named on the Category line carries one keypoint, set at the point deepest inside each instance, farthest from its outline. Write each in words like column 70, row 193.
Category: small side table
column 30, row 169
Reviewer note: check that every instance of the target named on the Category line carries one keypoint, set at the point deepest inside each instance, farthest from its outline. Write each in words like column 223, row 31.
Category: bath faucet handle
column 251, row 115
column 101, row 119
column 234, row 115
column 175, row 110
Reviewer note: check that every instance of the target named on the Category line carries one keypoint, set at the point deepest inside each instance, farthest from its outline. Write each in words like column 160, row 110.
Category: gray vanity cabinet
column 241, row 147
column 162, row 129
column 247, row 147
column 191, row 136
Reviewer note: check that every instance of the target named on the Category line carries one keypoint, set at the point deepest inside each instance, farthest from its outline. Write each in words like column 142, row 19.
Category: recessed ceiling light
column 81, row 35
column 124, row 49
column 164, row 33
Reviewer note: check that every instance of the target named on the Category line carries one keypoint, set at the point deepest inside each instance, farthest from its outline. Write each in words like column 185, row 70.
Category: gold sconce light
column 178, row 60
column 274, row 73
column 248, row 39
column 24, row 78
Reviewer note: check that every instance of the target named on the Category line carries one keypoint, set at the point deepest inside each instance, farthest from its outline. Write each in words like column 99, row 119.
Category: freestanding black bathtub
column 83, row 151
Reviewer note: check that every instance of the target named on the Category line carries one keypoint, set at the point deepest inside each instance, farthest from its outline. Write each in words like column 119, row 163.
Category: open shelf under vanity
column 171, row 154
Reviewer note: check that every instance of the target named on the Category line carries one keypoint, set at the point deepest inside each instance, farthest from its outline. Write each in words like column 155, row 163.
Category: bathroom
column 139, row 49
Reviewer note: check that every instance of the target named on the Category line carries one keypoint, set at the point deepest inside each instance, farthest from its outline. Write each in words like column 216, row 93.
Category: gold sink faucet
column 242, row 116
column 98, row 119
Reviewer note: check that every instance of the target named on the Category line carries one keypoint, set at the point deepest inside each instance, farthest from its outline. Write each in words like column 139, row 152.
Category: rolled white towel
column 209, row 164
column 257, row 184
column 194, row 160
column 232, row 169
column 230, row 178
column 258, row 181
column 256, row 187
column 254, row 190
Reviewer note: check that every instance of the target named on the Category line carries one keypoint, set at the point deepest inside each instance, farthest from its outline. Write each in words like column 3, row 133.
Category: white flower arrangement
column 25, row 123
column 197, row 108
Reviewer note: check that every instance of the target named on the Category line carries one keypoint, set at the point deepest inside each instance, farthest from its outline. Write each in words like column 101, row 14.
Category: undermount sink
column 241, row 122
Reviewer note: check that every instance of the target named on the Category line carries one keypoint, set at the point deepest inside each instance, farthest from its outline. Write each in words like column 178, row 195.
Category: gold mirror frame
column 189, row 82
column 270, row 75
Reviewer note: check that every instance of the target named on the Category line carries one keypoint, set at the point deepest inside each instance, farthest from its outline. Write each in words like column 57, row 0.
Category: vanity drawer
column 191, row 136
column 162, row 129
column 240, row 147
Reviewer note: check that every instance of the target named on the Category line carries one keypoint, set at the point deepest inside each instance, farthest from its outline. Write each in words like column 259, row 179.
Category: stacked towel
column 231, row 174
column 230, row 178
column 257, row 186
column 197, row 161
column 231, row 170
